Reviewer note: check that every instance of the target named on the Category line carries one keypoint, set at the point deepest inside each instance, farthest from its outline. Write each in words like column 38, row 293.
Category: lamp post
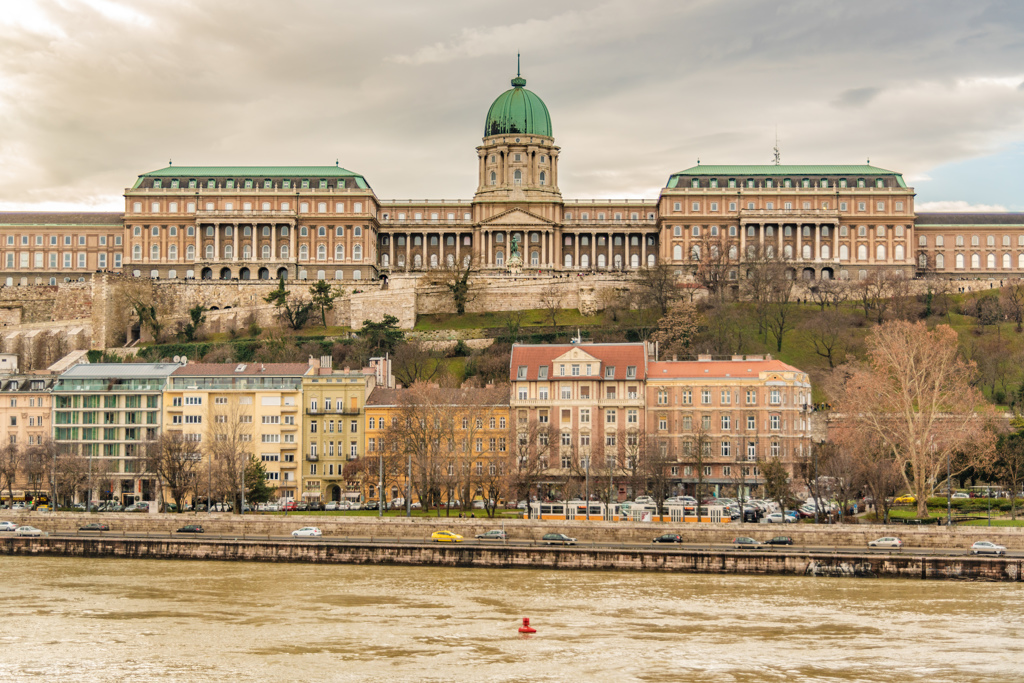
column 990, row 505
column 588, row 487
column 408, row 489
column 380, row 463
column 949, row 493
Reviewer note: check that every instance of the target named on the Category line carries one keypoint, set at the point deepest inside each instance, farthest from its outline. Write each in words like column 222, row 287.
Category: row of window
column 990, row 240
column 250, row 183
column 616, row 216
column 67, row 260
column 806, row 252
column 69, row 240
column 960, row 261
column 697, row 207
column 804, row 183
column 789, row 231
column 190, row 207
column 228, row 231
column 228, row 250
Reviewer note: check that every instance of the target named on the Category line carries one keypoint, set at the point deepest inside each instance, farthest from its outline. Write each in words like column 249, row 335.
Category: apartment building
column 25, row 421
column 108, row 412
column 333, row 425
column 726, row 416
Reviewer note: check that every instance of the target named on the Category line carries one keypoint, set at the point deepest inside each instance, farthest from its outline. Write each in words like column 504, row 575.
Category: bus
column 575, row 510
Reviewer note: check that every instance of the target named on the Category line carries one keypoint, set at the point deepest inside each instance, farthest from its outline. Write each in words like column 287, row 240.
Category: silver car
column 8, row 526
column 886, row 542
column 987, row 548
column 28, row 531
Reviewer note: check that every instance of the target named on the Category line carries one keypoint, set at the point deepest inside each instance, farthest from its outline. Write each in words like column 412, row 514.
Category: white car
column 987, row 548
column 886, row 542
column 28, row 531
column 644, row 500
column 959, row 495
column 307, row 531
column 8, row 526
column 779, row 518
column 331, row 506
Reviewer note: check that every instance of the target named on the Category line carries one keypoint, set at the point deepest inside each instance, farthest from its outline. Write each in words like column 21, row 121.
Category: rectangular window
column 705, row 397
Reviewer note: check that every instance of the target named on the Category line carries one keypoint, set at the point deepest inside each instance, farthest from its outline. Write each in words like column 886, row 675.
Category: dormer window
column 542, row 372
column 630, row 372
column 156, row 184
column 609, row 372
column 521, row 373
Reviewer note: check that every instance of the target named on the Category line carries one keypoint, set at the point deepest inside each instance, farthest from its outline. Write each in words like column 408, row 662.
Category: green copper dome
column 518, row 111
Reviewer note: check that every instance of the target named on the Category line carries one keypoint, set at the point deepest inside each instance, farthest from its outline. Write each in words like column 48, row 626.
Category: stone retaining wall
column 517, row 557
column 840, row 535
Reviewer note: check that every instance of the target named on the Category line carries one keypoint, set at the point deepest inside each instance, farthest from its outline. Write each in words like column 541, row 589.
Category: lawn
column 536, row 317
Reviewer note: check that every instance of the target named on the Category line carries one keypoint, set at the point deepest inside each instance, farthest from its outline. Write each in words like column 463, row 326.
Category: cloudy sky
column 94, row 92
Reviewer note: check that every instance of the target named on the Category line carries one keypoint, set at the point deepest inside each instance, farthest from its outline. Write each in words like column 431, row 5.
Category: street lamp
column 949, row 493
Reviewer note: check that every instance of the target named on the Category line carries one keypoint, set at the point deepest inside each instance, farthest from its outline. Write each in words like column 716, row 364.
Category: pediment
column 575, row 355
column 516, row 217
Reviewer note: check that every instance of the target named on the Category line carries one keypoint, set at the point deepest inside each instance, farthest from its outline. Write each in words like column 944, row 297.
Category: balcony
column 312, row 457
column 239, row 213
column 337, row 411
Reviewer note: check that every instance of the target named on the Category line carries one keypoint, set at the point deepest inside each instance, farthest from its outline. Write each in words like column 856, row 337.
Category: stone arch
column 282, row 273
column 207, row 274
column 264, row 274
column 243, row 274
column 225, row 273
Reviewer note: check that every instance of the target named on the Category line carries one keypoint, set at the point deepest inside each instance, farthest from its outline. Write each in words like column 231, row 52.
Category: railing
column 339, row 411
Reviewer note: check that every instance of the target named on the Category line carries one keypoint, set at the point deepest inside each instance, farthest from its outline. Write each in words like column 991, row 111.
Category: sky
column 95, row 92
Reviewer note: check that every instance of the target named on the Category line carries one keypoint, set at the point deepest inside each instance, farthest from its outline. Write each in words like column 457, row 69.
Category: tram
column 576, row 510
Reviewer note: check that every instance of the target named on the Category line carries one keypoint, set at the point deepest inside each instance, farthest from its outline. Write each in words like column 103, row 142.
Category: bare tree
column 776, row 481
column 456, row 277
column 228, row 446
column 1008, row 468
column 551, row 301
column 413, row 362
column 764, row 274
column 513, row 323
column 916, row 398
column 12, row 461
column 1012, row 296
column 779, row 310
column 828, row 332
column 677, row 331
column 659, row 285
column 175, row 462
column 530, row 445
column 716, row 256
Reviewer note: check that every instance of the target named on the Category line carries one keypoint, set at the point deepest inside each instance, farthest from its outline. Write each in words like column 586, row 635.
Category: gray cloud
column 93, row 92
column 856, row 97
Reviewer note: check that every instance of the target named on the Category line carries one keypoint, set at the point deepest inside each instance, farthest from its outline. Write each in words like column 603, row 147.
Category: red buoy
column 526, row 628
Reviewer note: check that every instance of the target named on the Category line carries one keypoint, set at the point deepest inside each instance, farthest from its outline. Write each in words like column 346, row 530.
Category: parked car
column 445, row 537
column 644, row 500
column 494, row 534
column 987, row 548
column 779, row 518
column 8, row 526
column 308, row 531
column 779, row 540
column 668, row 538
column 742, row 542
column 886, row 542
column 28, row 531
column 95, row 526
column 137, row 507
column 317, row 506
column 289, row 506
column 960, row 495
column 905, row 500
column 370, row 505
column 331, row 506
column 301, row 507
column 192, row 529
column 558, row 539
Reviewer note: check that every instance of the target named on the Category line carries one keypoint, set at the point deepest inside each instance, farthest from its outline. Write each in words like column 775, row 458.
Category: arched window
column 695, row 252
column 826, row 252
column 960, row 261
column 601, row 261
column 246, row 252
column 806, row 252
column 824, row 231
column 880, row 231
column 1007, row 262
column 190, row 252
column 172, row 252
column 677, row 252
column 154, row 252
column 634, row 261
column 534, row 258
column 584, row 260
column 266, row 231
column 303, row 252
column 880, row 252
column 357, row 252
column 449, row 261
column 787, row 251
column 1020, row 261
column 137, row 253
column 975, row 262
column 247, row 232
column 750, row 231
column 499, row 258
column 321, row 252
column 733, row 252
column 651, row 260
column 940, row 261
column 990, row 261
column 844, row 252
column 417, row 261
column 284, row 251
column 922, row 261
column 340, row 231
column 769, row 251
column 229, row 251
column 769, row 231
column 787, row 231
column 209, row 252
column 209, row 231
column 517, row 177
column 265, row 252
column 156, row 231
column 617, row 262
column 494, row 178
column 862, row 252
column 543, row 178
column 898, row 254
column 284, row 231
column 228, row 231
column 385, row 260
column 321, row 231
column 339, row 252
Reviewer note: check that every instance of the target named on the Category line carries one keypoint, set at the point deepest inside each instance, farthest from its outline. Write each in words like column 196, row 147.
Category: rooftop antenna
column 777, row 156
column 517, row 65
column 170, row 162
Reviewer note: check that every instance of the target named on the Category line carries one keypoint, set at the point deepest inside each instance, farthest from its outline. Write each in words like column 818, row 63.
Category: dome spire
column 518, row 81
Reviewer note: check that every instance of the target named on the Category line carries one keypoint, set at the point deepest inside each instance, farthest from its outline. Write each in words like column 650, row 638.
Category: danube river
column 136, row 620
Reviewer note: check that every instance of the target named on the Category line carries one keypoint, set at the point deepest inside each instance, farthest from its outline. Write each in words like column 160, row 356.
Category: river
column 71, row 619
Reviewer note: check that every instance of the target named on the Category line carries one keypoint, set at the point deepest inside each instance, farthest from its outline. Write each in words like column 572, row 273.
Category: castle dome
column 518, row 111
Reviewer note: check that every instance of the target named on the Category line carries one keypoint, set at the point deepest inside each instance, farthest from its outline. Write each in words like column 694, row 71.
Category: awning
column 310, row 494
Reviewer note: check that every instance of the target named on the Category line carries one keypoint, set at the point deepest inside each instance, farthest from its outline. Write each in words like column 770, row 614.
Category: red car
column 290, row 506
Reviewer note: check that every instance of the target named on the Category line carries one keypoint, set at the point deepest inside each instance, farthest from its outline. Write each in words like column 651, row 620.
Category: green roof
column 784, row 170
column 256, row 172
column 518, row 112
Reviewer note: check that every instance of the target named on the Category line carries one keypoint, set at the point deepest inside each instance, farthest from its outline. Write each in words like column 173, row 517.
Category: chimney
column 347, row 369
column 674, row 357
column 314, row 363
column 326, row 361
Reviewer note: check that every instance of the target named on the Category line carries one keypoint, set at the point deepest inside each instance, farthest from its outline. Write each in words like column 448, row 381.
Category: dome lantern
column 518, row 112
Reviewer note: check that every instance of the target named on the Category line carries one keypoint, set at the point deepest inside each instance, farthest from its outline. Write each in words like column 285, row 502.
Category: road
column 527, row 543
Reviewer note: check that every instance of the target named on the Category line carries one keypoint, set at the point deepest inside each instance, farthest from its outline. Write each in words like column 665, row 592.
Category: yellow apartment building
column 25, row 420
column 234, row 410
column 332, row 422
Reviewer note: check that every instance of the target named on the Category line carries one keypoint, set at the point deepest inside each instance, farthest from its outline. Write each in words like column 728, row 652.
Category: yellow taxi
column 905, row 500
column 445, row 537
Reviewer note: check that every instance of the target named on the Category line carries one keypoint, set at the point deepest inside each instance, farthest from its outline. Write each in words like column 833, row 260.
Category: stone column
column 458, row 250
column 391, row 251
column 779, row 230
column 234, row 234
column 216, row 242
column 760, row 238
column 576, row 249
column 611, row 240
column 817, row 241
column 799, row 242
column 440, row 250
column 408, row 251
column 835, row 242
column 293, row 252
column 643, row 250
column 273, row 241
column 544, row 248
column 593, row 251
column 743, row 242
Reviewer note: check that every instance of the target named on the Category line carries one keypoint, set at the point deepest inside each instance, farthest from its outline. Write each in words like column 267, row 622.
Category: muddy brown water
column 69, row 619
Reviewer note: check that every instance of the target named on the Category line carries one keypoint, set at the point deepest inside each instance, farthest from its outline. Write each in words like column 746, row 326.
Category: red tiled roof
column 226, row 369
column 721, row 369
column 620, row 356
